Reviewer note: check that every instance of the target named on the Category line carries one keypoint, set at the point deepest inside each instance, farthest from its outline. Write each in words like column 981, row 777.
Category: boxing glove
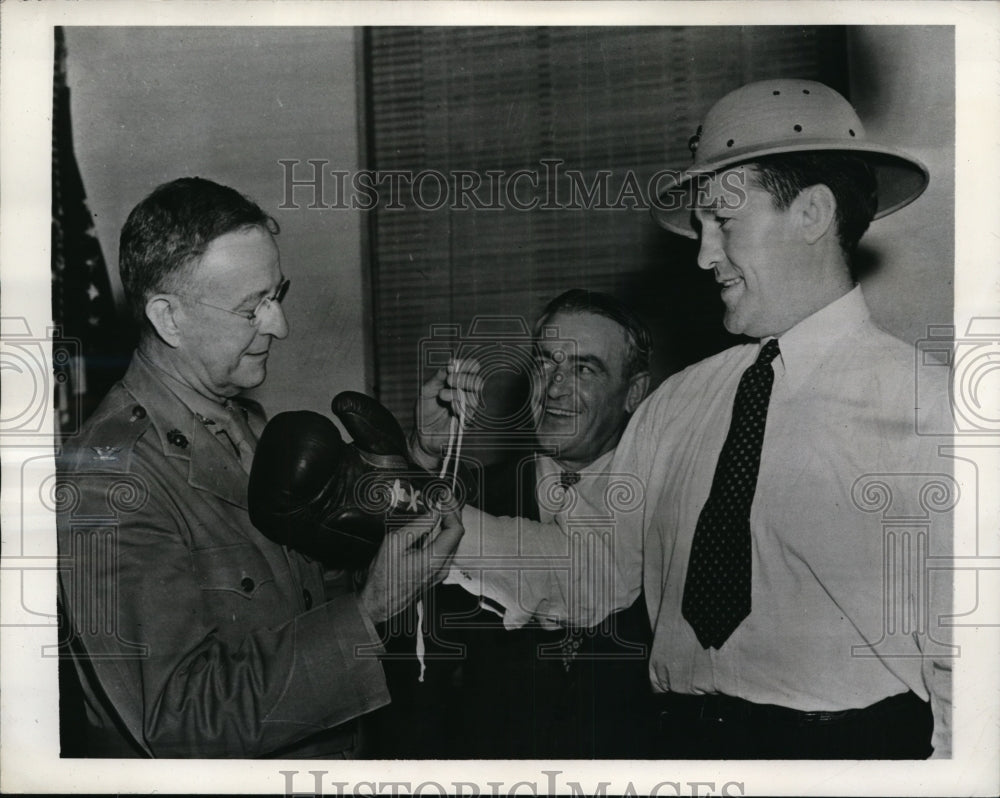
column 329, row 499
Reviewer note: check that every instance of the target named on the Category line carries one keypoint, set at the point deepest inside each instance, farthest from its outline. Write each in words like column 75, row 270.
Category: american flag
column 90, row 350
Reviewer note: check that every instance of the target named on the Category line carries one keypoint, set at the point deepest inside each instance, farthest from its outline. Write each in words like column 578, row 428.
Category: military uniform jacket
column 193, row 634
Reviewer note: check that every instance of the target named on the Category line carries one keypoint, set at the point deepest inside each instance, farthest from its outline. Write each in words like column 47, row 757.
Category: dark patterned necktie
column 717, row 588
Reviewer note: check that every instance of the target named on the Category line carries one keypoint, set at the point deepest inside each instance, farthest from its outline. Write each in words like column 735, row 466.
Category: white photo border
column 29, row 760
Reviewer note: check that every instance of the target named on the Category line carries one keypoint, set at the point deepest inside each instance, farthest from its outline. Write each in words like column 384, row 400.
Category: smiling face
column 583, row 400
column 222, row 353
column 756, row 252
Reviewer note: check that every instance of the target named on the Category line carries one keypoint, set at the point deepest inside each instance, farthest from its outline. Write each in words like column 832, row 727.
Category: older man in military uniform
column 192, row 633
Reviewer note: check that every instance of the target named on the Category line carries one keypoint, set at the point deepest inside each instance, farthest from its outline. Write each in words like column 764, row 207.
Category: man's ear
column 637, row 388
column 161, row 310
column 817, row 208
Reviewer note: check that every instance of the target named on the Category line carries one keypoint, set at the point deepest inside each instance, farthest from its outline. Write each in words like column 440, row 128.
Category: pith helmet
column 784, row 116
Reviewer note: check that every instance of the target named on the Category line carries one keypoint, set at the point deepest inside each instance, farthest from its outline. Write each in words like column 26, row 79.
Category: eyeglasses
column 253, row 316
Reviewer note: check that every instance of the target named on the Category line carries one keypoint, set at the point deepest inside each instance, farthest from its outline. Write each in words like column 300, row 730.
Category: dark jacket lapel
column 501, row 497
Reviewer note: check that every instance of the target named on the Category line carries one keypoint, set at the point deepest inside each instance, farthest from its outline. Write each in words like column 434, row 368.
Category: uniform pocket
column 239, row 569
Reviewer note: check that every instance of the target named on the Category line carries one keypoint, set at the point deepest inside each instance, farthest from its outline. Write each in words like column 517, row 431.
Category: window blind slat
column 482, row 98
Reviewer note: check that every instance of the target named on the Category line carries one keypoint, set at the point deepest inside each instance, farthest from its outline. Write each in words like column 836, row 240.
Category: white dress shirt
column 568, row 569
column 850, row 503
column 842, row 489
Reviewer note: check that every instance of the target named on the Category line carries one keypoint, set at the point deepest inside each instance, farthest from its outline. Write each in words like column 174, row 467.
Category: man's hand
column 410, row 560
column 449, row 393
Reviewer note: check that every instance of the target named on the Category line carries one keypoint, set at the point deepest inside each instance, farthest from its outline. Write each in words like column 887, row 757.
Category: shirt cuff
column 497, row 591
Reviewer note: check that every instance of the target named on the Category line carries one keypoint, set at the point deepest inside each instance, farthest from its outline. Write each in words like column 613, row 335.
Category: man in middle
column 543, row 690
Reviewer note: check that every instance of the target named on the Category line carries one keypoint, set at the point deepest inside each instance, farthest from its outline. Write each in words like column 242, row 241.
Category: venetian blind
column 605, row 103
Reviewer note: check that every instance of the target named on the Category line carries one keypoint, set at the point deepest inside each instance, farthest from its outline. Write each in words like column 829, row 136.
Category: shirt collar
column 546, row 466
column 803, row 346
column 207, row 410
column 182, row 432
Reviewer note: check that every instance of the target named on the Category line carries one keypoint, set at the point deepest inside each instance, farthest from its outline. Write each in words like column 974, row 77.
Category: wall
column 903, row 86
column 152, row 104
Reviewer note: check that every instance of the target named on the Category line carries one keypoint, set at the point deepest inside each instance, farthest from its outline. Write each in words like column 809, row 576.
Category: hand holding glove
column 332, row 500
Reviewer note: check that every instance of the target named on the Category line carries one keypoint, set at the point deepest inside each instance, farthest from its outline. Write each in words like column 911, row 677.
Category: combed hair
column 170, row 229
column 639, row 342
column 849, row 177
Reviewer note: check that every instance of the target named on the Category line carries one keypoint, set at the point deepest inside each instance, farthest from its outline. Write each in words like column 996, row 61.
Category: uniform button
column 138, row 413
column 307, row 596
column 247, row 584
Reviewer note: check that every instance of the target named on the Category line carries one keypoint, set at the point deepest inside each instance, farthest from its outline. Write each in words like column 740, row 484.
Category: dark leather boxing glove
column 332, row 500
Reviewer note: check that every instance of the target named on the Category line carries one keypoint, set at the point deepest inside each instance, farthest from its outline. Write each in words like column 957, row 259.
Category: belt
column 717, row 708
